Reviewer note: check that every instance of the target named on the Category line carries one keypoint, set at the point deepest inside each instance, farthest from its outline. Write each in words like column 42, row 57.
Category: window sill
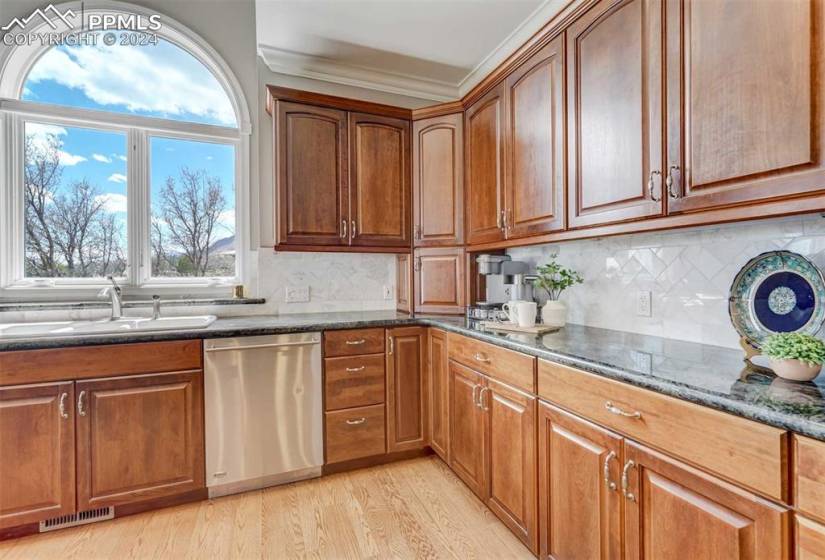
column 7, row 306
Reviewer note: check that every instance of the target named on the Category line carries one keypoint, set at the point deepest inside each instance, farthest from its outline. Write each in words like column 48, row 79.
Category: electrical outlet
column 644, row 304
column 387, row 292
column 297, row 294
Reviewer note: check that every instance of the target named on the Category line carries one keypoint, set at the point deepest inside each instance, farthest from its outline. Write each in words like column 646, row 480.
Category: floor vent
column 74, row 519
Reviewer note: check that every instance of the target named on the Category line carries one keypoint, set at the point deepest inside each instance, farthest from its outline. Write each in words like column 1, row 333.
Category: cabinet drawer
column 353, row 342
column 745, row 452
column 505, row 365
column 354, row 433
column 809, row 476
column 354, row 381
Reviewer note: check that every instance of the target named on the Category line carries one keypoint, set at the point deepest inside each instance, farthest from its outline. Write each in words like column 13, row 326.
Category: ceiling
column 430, row 49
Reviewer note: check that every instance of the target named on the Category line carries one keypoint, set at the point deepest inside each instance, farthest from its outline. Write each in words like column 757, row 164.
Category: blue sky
column 156, row 81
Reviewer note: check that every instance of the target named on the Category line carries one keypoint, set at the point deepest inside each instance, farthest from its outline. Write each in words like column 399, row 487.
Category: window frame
column 137, row 280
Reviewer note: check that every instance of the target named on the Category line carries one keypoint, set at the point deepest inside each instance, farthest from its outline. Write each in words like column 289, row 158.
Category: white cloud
column 227, row 219
column 210, row 158
column 160, row 79
column 113, row 202
column 121, row 158
column 101, row 158
column 117, row 178
column 68, row 159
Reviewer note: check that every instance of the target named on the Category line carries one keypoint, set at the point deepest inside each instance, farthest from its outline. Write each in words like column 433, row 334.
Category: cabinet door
column 744, row 101
column 512, row 458
column 484, row 148
column 614, row 85
column 439, row 280
column 810, row 539
column 139, row 438
column 311, row 175
column 579, row 499
column 670, row 503
column 406, row 389
column 534, row 155
column 380, row 181
column 439, row 390
column 438, row 181
column 468, row 428
column 37, row 461
column 403, row 282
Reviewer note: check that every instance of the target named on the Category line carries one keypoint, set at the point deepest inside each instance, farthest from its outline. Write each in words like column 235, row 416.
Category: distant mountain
column 225, row 246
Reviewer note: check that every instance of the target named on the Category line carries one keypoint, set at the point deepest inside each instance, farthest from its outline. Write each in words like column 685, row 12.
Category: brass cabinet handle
column 343, row 229
column 418, row 232
column 81, row 407
column 356, row 422
column 481, row 358
column 508, row 222
column 355, row 342
column 500, row 220
column 625, row 483
column 651, row 183
column 354, row 369
column 606, row 471
column 481, row 404
column 352, row 229
column 613, row 409
column 475, row 396
column 62, row 405
column 670, row 182
column 417, row 264
column 391, row 342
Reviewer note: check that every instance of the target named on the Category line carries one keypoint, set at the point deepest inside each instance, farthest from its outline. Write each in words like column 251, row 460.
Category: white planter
column 795, row 370
column 554, row 314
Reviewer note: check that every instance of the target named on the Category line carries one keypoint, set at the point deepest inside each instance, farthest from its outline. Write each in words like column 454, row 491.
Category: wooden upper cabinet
column 580, row 502
column 406, row 388
column 37, row 459
column 535, row 143
column 745, row 95
column 138, row 438
column 484, row 167
column 311, row 174
column 438, row 181
column 380, row 202
column 468, row 428
column 673, row 503
column 439, row 397
column 439, row 280
column 614, row 85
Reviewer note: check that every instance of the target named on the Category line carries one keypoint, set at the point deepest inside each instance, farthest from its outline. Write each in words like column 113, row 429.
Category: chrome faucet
column 113, row 292
column 155, row 308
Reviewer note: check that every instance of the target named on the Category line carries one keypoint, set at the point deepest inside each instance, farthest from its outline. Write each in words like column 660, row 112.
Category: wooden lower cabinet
column 673, row 510
column 406, row 389
column 579, row 498
column 37, row 459
column 468, row 428
column 512, row 458
column 439, row 393
column 810, row 539
column 138, row 438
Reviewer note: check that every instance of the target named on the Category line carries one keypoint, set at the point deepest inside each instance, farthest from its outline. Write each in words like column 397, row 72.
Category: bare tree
column 190, row 210
column 41, row 178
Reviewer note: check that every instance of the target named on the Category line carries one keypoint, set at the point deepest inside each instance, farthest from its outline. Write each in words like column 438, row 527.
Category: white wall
column 688, row 272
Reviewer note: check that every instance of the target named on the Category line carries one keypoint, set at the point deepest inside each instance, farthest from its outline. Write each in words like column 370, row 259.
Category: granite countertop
column 708, row 375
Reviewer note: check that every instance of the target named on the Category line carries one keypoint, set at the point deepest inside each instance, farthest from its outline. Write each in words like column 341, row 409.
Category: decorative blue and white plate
column 778, row 291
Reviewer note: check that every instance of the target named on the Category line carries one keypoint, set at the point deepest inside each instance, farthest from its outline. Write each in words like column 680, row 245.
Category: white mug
column 526, row 313
column 511, row 311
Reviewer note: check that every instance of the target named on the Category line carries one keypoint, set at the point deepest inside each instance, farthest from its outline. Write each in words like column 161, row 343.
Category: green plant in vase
column 795, row 356
column 553, row 278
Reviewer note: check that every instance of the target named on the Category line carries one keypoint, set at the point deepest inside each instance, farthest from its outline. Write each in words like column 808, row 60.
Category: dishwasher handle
column 272, row 345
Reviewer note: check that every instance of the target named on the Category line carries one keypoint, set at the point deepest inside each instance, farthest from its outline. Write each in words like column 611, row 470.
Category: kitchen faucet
column 113, row 292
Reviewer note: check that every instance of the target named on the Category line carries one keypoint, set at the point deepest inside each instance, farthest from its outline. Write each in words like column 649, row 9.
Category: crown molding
column 545, row 12
column 320, row 68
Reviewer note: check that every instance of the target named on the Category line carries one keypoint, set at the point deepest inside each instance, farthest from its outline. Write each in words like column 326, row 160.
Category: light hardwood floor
column 411, row 509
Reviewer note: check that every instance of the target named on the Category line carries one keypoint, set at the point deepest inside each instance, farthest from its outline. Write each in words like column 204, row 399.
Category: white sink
column 106, row 326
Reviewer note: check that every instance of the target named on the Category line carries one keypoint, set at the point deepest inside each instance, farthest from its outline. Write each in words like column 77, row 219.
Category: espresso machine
column 506, row 280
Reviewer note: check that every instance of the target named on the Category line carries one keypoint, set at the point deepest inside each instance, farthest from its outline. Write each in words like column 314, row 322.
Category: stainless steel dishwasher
column 264, row 417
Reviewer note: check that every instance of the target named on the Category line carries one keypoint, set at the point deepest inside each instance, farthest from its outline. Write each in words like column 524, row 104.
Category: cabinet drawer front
column 743, row 451
column 354, row 381
column 502, row 364
column 809, row 476
column 354, row 433
column 353, row 342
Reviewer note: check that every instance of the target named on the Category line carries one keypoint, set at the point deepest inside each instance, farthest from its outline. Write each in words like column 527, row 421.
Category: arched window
column 125, row 148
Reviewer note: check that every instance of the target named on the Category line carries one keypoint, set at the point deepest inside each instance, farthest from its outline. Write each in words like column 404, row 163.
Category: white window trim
column 15, row 64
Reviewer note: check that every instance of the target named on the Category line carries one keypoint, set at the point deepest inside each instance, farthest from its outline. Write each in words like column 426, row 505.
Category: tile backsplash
column 688, row 273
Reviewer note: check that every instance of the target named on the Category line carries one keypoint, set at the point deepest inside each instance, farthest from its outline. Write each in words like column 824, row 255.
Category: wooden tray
column 507, row 327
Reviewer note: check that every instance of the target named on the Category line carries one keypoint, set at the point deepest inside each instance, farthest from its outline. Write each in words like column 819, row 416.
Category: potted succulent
column 554, row 279
column 795, row 356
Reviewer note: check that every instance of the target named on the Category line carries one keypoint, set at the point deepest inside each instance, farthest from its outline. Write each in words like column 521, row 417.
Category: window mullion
column 138, row 216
